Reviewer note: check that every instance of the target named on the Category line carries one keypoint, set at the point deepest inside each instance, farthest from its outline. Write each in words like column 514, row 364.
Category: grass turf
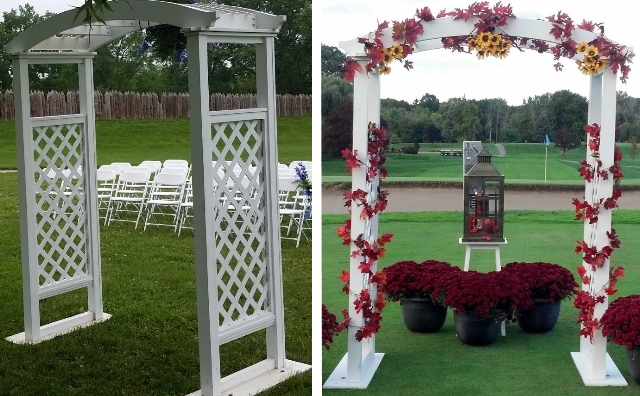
column 523, row 163
column 439, row 364
column 150, row 345
column 159, row 139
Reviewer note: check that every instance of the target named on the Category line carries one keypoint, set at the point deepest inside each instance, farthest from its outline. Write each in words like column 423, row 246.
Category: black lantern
column 483, row 202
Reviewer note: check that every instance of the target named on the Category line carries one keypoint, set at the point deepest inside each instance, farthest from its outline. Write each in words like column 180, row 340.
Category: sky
column 448, row 75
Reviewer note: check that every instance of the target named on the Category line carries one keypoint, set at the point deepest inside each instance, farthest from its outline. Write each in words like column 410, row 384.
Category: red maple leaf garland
column 585, row 301
column 491, row 19
column 369, row 252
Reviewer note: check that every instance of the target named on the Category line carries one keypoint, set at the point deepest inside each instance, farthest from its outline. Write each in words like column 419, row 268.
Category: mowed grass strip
column 439, row 364
column 160, row 139
column 523, row 163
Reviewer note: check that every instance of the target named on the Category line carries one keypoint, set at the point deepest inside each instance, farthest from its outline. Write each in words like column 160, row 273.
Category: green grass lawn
column 523, row 163
column 137, row 140
column 439, row 364
column 150, row 345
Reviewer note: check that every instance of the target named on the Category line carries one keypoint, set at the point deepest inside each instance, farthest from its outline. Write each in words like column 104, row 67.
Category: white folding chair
column 106, row 186
column 186, row 207
column 123, row 165
column 292, row 205
column 155, row 166
column 176, row 162
column 165, row 199
column 129, row 197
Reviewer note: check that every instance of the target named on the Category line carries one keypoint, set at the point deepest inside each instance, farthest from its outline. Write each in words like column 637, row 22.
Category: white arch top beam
column 440, row 28
column 62, row 33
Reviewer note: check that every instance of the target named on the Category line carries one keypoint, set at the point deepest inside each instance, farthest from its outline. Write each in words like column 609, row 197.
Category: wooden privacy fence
column 133, row 105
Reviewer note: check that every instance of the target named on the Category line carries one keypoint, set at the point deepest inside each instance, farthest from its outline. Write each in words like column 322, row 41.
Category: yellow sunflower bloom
column 495, row 39
column 384, row 70
column 387, row 56
column 472, row 44
column 396, row 51
column 481, row 54
column 484, row 37
column 592, row 50
column 600, row 65
column 582, row 47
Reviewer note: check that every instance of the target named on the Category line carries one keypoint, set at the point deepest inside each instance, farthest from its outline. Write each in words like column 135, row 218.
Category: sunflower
column 592, row 50
column 582, row 47
column 495, row 39
column 396, row 51
column 481, row 54
column 387, row 56
column 472, row 44
column 384, row 70
column 484, row 37
column 599, row 65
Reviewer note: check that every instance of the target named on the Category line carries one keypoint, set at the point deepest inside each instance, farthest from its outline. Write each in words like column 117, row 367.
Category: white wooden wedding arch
column 361, row 361
column 239, row 277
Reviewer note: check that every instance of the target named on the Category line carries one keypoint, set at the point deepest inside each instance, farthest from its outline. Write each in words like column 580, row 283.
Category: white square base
column 65, row 326
column 338, row 379
column 613, row 375
column 264, row 381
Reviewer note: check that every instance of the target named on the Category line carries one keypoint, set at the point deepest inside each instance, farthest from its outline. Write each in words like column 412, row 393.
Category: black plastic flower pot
column 420, row 315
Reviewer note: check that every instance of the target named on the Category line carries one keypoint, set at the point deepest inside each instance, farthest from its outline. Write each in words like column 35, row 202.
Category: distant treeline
column 134, row 105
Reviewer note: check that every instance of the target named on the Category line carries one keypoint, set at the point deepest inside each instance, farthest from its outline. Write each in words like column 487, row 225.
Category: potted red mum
column 549, row 284
column 482, row 301
column 413, row 285
column 621, row 324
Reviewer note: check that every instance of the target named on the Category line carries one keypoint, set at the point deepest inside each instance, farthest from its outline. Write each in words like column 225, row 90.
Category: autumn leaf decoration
column 367, row 251
column 488, row 39
column 593, row 257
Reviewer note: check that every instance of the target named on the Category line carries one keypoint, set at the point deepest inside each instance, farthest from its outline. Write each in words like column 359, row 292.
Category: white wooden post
column 203, row 216
column 26, row 193
column 266, row 98
column 593, row 362
column 357, row 367
column 92, row 220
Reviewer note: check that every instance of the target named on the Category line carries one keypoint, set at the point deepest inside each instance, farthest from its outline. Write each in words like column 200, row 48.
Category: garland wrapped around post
column 594, row 258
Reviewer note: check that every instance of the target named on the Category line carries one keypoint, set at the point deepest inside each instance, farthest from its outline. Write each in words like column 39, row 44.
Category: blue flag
column 547, row 141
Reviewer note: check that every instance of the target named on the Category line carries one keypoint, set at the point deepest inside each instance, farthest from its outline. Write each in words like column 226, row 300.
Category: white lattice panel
column 238, row 169
column 60, row 215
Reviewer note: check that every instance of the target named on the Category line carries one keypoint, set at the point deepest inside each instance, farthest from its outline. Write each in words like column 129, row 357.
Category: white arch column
column 593, row 362
column 357, row 367
column 60, row 242
column 237, row 242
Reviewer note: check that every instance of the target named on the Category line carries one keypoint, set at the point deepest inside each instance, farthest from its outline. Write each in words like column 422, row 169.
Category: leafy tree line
column 562, row 115
column 154, row 59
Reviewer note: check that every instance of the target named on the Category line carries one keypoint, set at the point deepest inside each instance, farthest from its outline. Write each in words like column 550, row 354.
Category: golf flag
column 547, row 141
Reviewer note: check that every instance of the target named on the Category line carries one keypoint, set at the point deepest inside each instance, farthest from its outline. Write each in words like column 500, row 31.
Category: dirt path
column 501, row 151
column 420, row 199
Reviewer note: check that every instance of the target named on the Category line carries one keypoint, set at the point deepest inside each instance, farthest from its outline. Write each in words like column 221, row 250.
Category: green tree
column 335, row 90
column 333, row 61
column 567, row 110
column 429, row 101
column 461, row 120
column 540, row 129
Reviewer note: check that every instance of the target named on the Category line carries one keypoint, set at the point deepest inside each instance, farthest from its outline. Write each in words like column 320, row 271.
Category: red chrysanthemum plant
column 367, row 251
column 488, row 39
column 594, row 257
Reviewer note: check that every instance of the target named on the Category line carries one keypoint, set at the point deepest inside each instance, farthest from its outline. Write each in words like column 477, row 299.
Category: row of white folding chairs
column 135, row 191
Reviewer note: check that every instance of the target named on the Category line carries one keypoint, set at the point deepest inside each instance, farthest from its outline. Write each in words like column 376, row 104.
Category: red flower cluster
column 586, row 301
column 406, row 279
column 330, row 326
column 621, row 321
column 546, row 281
column 493, row 294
